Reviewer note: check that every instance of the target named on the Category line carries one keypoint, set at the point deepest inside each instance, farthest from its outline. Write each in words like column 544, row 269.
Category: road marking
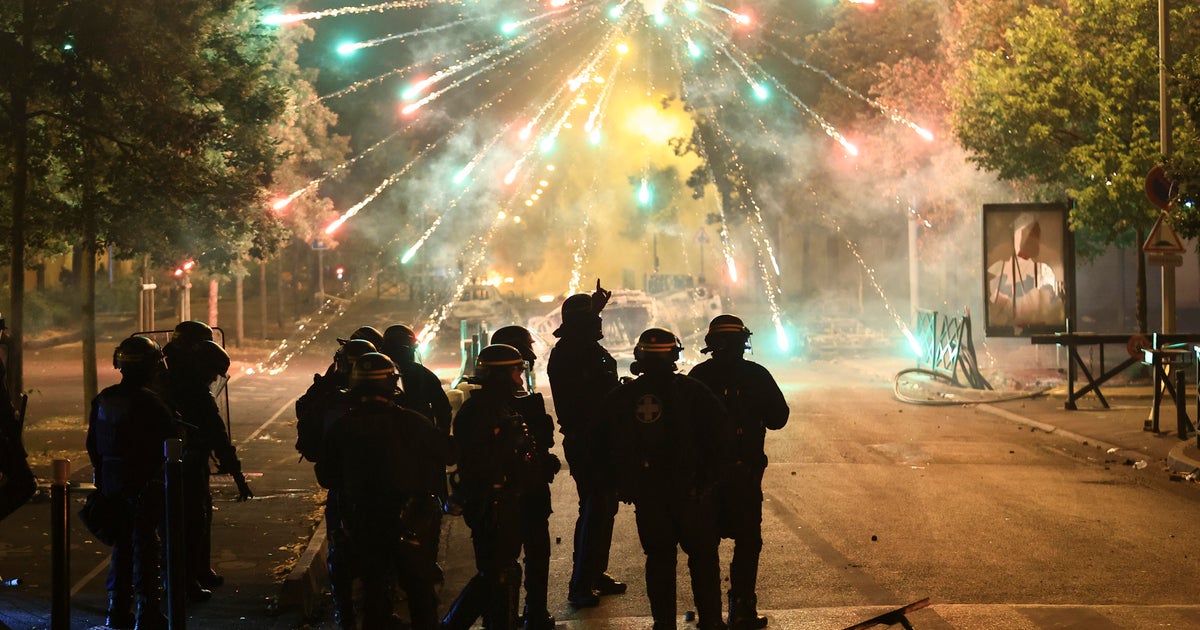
column 287, row 405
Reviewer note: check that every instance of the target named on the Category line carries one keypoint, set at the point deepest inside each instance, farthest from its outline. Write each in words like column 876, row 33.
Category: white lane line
column 286, row 406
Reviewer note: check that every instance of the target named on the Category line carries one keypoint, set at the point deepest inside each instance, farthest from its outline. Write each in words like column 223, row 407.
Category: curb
column 1178, row 461
column 304, row 588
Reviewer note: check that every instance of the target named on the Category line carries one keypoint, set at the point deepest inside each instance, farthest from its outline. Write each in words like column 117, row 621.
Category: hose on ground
column 955, row 397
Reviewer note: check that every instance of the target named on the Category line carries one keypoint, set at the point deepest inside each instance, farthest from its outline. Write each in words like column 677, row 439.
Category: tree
column 146, row 109
column 1069, row 103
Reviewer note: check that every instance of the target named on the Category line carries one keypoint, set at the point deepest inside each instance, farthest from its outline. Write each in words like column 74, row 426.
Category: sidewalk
column 1120, row 433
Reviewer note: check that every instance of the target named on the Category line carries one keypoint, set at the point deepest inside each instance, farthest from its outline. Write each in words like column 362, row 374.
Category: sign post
column 1164, row 247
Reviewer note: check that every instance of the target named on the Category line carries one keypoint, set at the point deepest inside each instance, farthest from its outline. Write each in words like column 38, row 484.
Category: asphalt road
column 871, row 504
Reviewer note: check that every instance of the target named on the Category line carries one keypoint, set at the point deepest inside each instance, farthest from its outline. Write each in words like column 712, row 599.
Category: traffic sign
column 701, row 236
column 1158, row 188
column 1163, row 239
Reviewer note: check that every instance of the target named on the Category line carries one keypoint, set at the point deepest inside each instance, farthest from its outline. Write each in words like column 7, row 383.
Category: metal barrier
column 948, row 349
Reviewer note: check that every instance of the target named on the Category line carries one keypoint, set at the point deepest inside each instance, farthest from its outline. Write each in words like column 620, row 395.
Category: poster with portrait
column 1029, row 269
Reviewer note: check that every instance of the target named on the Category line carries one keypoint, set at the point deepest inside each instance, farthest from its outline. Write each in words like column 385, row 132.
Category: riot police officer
column 126, row 430
column 499, row 465
column 663, row 437
column 194, row 369
column 755, row 404
column 387, row 464
column 535, row 504
column 19, row 483
column 581, row 372
column 423, row 390
column 326, row 401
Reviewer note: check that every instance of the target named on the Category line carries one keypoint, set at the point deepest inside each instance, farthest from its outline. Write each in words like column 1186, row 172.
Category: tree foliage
column 1069, row 101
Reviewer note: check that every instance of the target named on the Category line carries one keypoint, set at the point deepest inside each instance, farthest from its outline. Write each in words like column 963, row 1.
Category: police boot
column 537, row 619
column 343, row 610
column 119, row 615
column 743, row 613
column 149, row 617
column 468, row 606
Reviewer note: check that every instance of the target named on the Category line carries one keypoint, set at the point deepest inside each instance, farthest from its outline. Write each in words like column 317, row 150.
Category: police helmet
column 139, row 353
column 370, row 333
column 191, row 332
column 576, row 308
column 350, row 351
column 399, row 343
column 518, row 337
column 374, row 370
column 726, row 332
column 496, row 359
column 185, row 336
column 211, row 358
column 657, row 344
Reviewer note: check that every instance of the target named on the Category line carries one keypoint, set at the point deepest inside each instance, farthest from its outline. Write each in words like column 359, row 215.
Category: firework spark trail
column 723, row 233
column 512, row 44
column 554, row 98
column 758, row 234
column 892, row 113
column 596, row 118
column 346, row 49
column 825, row 126
column 289, row 18
column 738, row 17
column 358, row 85
column 579, row 256
column 511, row 48
column 384, row 185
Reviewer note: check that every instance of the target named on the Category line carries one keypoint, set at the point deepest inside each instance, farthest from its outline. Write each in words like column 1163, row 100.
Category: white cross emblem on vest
column 649, row 409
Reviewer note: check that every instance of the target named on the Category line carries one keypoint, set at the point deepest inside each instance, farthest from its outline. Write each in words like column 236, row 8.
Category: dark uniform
column 581, row 372
column 499, row 468
column 755, row 404
column 191, row 373
column 325, row 402
column 126, row 430
column 664, row 439
column 535, row 504
column 19, row 484
column 387, row 464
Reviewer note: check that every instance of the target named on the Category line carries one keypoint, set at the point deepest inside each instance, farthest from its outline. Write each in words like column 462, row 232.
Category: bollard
column 176, row 584
column 60, row 541
column 1181, row 418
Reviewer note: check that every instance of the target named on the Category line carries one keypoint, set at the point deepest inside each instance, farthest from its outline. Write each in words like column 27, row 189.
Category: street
column 870, row 504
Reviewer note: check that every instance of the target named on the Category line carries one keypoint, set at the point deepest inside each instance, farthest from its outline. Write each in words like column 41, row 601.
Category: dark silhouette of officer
column 126, row 430
column 196, row 368
column 663, row 438
column 755, row 404
column 387, row 463
column 581, row 372
column 326, row 401
column 498, row 467
column 535, row 503
column 18, row 484
column 423, row 390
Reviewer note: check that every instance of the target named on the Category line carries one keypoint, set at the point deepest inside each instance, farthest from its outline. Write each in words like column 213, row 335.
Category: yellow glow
column 657, row 124
column 623, row 48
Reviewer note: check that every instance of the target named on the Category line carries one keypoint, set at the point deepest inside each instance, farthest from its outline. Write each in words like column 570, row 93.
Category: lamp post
column 1164, row 134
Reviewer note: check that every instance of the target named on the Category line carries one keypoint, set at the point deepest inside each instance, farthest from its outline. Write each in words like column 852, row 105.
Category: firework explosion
column 555, row 129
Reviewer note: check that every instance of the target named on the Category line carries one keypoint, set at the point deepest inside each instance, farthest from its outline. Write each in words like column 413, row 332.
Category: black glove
column 600, row 298
column 244, row 492
column 550, row 466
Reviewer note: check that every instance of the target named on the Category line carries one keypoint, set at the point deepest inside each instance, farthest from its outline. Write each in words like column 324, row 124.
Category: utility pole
column 1164, row 134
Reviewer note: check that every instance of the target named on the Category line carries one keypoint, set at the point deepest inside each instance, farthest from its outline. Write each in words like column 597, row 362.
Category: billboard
column 1029, row 269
